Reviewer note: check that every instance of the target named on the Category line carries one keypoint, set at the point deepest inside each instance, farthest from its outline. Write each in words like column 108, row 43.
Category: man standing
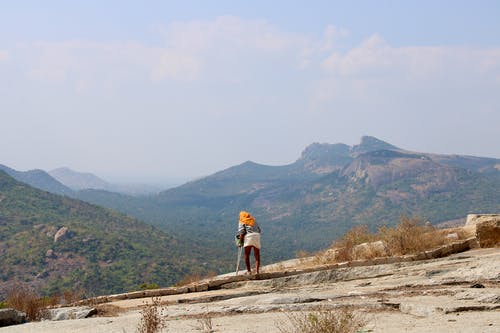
column 249, row 233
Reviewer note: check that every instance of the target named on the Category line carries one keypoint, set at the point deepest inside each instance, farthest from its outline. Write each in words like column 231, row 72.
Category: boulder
column 50, row 254
column 78, row 312
column 62, row 234
column 370, row 250
column 473, row 219
column 488, row 231
column 11, row 317
column 453, row 236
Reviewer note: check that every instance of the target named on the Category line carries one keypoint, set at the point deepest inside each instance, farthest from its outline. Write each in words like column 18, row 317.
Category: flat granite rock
column 11, row 317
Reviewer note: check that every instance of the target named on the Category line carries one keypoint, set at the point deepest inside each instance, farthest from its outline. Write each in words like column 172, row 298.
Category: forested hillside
column 329, row 189
column 58, row 243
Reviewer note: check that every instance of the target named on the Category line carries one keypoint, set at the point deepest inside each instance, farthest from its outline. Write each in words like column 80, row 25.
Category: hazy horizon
column 160, row 91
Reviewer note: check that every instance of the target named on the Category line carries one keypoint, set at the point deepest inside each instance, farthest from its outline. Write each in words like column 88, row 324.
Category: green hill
column 102, row 252
column 329, row 189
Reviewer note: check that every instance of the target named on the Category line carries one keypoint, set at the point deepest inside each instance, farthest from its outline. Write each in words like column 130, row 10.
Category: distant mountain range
column 65, row 181
column 329, row 189
column 83, row 181
column 57, row 243
column 307, row 204
column 38, row 179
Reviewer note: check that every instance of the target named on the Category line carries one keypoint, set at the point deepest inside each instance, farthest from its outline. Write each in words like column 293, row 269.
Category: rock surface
column 79, row 312
column 433, row 295
column 11, row 317
column 370, row 250
column 488, row 231
column 473, row 219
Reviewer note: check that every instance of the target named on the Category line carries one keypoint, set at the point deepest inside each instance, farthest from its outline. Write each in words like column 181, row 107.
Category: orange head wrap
column 246, row 218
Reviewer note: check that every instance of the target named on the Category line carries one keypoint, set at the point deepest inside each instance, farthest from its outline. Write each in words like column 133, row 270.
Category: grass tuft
column 205, row 323
column 324, row 320
column 153, row 320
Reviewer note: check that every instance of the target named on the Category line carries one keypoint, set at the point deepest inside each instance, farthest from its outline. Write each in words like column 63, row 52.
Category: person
column 249, row 235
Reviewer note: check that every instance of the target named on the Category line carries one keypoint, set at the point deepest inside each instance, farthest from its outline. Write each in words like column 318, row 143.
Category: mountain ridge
column 326, row 191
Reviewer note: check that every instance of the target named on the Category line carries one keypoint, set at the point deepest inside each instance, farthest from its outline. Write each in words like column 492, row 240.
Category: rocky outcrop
column 11, row 317
column 474, row 219
column 488, row 230
column 370, row 250
column 79, row 312
column 62, row 234
column 460, row 293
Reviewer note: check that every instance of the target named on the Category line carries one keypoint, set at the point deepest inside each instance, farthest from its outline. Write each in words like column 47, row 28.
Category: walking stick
column 239, row 258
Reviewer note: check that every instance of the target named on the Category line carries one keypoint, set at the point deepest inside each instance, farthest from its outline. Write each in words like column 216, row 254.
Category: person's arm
column 241, row 230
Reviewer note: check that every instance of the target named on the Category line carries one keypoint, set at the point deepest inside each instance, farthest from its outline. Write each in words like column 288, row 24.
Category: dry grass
column 71, row 296
column 302, row 254
column 195, row 277
column 153, row 320
column 410, row 236
column 23, row 298
column 345, row 245
column 325, row 320
column 205, row 324
column 108, row 310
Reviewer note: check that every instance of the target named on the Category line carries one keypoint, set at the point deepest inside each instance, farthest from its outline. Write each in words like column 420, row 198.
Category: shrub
column 21, row 297
column 410, row 236
column 302, row 254
column 3, row 305
column 357, row 235
column 325, row 320
column 153, row 319
column 147, row 286
column 71, row 296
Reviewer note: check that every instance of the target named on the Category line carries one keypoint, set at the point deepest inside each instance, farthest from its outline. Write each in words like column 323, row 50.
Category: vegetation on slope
column 306, row 212
column 104, row 251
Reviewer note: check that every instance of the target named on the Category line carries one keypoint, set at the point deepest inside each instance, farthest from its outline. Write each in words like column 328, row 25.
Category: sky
column 155, row 91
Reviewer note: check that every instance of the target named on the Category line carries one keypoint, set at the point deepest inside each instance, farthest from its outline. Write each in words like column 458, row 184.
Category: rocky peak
column 370, row 143
column 323, row 158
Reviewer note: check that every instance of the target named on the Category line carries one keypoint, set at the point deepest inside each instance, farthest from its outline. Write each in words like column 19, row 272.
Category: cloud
column 229, row 49
column 4, row 55
column 375, row 69
column 177, row 66
column 374, row 56
column 196, row 47
column 191, row 50
column 226, row 49
column 228, row 32
column 87, row 65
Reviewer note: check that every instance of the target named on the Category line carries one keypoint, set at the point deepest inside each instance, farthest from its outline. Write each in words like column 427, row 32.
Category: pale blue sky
column 159, row 90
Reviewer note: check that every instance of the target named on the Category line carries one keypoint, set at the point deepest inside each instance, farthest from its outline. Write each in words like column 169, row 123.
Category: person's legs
column 247, row 258
column 256, row 253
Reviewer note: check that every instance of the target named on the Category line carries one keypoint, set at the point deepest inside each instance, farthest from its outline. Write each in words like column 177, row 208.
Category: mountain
column 78, row 180
column 82, row 181
column 39, row 179
column 329, row 189
column 57, row 243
